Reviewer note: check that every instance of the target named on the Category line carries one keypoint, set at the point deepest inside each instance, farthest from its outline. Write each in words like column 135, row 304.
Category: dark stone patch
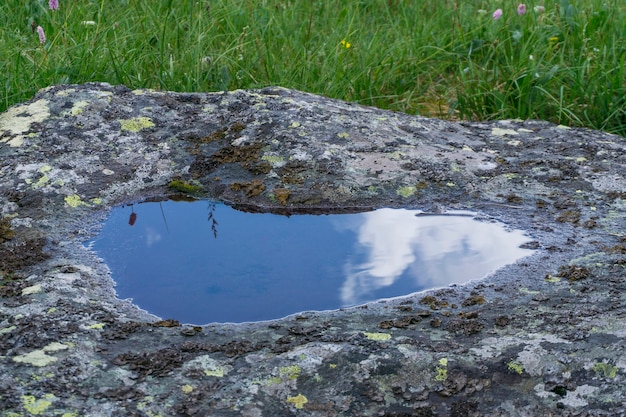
column 16, row 255
column 251, row 189
column 574, row 272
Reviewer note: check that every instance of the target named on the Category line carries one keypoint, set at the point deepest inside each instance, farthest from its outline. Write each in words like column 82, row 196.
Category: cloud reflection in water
column 432, row 250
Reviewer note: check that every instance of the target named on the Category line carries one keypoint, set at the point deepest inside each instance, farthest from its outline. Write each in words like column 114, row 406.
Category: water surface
column 203, row 262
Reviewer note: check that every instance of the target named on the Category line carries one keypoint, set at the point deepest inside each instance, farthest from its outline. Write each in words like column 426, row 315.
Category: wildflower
column 553, row 40
column 42, row 35
column 521, row 9
column 345, row 44
column 497, row 14
column 88, row 23
column 539, row 9
column 54, row 4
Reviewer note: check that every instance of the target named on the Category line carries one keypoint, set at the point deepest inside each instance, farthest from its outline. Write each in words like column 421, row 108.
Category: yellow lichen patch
column 7, row 329
column 217, row 372
column 343, row 135
column 515, row 367
column 525, row 290
column 136, row 124
column 274, row 160
column 290, row 372
column 35, row 358
column 33, row 289
column 377, row 336
column 55, row 347
column 74, row 201
column 294, row 125
column 76, row 109
column 406, row 191
column 442, row 370
column 96, row 200
column 496, row 131
column 298, row 401
column 17, row 121
column 186, row 388
column 37, row 406
column 43, row 180
column 605, row 369
column 96, row 326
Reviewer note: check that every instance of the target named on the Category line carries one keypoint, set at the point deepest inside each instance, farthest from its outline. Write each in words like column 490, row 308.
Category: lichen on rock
column 535, row 338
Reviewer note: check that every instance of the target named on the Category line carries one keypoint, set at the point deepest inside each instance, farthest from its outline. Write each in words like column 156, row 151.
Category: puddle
column 202, row 262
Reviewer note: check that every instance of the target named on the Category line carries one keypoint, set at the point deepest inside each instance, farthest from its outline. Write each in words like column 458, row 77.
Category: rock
column 73, row 152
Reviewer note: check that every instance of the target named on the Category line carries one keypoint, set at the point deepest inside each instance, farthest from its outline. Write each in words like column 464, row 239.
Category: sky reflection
column 429, row 250
column 201, row 262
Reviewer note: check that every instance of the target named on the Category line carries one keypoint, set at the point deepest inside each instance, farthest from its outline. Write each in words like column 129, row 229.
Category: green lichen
column 406, row 191
column 515, row 367
column 136, row 124
column 42, row 181
column 184, row 187
column 7, row 330
column 606, row 370
column 37, row 406
column 273, row 159
column 33, row 289
column 217, row 372
column 298, row 401
column 74, row 201
column 290, row 372
column 37, row 358
column 40, row 357
column 442, row 370
column 377, row 336
column 18, row 120
column 78, row 107
column 496, row 131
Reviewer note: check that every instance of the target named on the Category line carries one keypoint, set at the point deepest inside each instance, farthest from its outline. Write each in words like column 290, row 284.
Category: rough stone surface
column 543, row 337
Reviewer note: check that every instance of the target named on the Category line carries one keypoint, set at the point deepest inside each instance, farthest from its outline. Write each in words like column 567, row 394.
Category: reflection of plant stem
column 164, row 219
column 212, row 220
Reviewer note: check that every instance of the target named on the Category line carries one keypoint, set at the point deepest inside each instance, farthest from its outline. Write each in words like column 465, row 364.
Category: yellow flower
column 345, row 44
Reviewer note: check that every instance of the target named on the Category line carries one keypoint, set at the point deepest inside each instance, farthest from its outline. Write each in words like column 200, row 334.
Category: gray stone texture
column 543, row 337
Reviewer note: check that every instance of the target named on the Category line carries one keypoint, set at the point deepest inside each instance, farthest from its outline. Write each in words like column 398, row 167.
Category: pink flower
column 42, row 36
column 521, row 9
column 497, row 14
column 54, row 4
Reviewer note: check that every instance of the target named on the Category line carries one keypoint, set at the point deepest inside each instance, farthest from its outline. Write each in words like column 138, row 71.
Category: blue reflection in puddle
column 203, row 262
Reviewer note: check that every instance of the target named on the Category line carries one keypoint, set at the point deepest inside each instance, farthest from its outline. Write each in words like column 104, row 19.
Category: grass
column 446, row 58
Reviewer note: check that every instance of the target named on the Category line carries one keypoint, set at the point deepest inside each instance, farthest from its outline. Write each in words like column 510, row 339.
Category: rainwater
column 202, row 262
